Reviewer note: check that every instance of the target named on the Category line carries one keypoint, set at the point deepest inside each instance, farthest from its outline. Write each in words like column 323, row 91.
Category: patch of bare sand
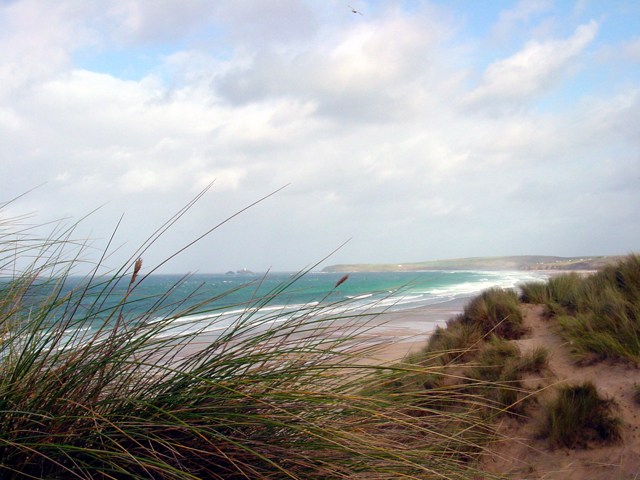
column 524, row 456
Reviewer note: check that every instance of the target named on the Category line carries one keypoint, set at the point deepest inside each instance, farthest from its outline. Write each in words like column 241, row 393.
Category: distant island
column 244, row 271
column 521, row 262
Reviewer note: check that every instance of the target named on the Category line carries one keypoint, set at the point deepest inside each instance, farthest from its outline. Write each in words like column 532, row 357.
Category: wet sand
column 399, row 333
column 386, row 337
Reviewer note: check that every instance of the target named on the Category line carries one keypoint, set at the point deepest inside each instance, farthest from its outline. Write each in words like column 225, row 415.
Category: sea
column 212, row 302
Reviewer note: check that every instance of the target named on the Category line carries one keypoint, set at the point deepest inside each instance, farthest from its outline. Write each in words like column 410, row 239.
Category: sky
column 411, row 130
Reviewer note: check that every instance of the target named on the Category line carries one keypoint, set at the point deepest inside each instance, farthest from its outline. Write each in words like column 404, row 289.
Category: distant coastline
column 522, row 262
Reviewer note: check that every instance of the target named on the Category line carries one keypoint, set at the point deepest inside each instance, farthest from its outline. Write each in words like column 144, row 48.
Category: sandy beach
column 399, row 333
column 387, row 337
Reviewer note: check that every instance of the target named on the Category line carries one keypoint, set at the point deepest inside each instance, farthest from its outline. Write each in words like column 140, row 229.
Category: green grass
column 566, row 290
column 636, row 393
column 473, row 358
column 579, row 417
column 496, row 356
column 599, row 315
column 535, row 360
column 457, row 343
column 534, row 292
column 130, row 401
column 495, row 311
column 470, row 368
column 496, row 375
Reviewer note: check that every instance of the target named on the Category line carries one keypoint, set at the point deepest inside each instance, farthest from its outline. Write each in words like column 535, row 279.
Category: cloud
column 256, row 22
column 632, row 49
column 371, row 119
column 148, row 22
column 512, row 19
column 152, row 21
column 36, row 43
column 580, row 6
column 364, row 72
column 537, row 68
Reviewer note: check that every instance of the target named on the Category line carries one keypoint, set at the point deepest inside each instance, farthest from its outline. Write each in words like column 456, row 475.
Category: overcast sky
column 419, row 130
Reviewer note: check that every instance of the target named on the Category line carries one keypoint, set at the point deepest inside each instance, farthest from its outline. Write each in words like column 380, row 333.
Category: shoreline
column 392, row 335
column 409, row 330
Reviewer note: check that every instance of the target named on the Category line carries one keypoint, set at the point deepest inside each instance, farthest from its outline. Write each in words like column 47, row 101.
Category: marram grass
column 81, row 397
column 599, row 315
column 579, row 416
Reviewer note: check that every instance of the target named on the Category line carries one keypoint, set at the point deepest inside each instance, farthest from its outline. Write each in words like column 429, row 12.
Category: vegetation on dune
column 475, row 368
column 495, row 311
column 92, row 389
column 599, row 314
column 455, row 343
column 535, row 360
column 578, row 416
column 636, row 392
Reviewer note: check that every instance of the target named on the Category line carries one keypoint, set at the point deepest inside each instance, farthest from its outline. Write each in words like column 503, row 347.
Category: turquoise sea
column 210, row 302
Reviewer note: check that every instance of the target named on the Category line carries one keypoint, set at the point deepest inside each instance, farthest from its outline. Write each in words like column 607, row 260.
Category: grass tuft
column 579, row 417
column 636, row 393
column 535, row 360
column 474, row 357
column 495, row 311
column 534, row 292
column 494, row 358
column 601, row 319
column 566, row 290
column 457, row 343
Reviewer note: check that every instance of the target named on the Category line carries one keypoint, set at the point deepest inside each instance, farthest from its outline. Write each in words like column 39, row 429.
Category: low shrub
column 534, row 292
column 535, row 360
column 495, row 311
column 566, row 290
column 495, row 356
column 578, row 416
column 457, row 343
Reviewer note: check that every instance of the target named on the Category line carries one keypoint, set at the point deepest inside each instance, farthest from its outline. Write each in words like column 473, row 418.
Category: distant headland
column 521, row 262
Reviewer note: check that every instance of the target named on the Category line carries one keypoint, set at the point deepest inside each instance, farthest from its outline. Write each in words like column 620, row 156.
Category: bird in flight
column 353, row 10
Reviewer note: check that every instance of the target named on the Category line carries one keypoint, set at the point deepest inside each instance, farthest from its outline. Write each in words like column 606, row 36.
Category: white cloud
column 148, row 22
column 511, row 20
column 368, row 118
column 537, row 68
column 370, row 71
column 34, row 44
column 151, row 21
